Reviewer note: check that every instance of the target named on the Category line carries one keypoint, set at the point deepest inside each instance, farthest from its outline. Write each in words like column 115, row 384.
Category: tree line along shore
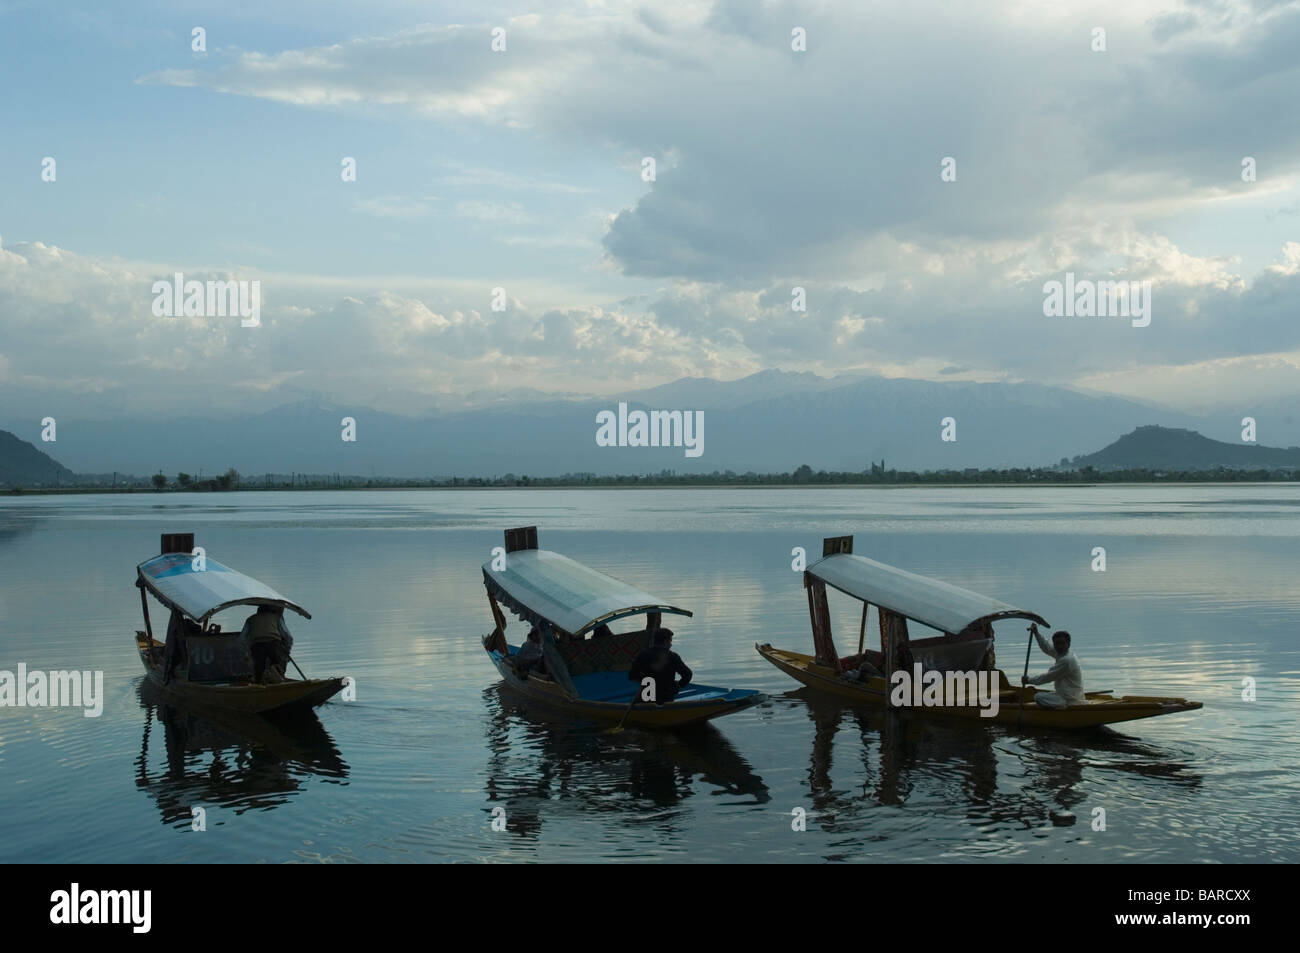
column 232, row 481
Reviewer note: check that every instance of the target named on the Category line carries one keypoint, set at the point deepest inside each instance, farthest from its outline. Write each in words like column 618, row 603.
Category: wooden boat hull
column 1015, row 704
column 248, row 699
column 702, row 704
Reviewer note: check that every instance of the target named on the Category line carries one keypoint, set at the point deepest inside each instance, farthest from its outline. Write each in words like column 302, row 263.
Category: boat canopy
column 543, row 586
column 201, row 593
column 937, row 604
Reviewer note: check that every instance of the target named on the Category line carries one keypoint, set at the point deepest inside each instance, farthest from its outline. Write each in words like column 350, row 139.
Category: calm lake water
column 1200, row 592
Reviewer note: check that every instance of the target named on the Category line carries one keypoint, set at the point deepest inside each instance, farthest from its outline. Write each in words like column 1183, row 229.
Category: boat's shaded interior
column 614, row 652
column 964, row 652
column 232, row 667
column 612, row 685
column 210, row 656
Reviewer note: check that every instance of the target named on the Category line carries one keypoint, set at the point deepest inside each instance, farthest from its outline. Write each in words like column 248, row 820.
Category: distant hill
column 21, row 464
column 1167, row 448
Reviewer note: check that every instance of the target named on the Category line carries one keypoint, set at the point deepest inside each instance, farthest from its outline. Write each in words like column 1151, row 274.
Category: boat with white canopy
column 585, row 664
column 205, row 665
column 965, row 648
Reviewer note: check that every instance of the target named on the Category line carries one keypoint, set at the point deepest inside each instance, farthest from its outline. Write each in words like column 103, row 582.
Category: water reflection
column 1000, row 780
column 538, row 756
column 1060, row 762
column 238, row 761
column 14, row 526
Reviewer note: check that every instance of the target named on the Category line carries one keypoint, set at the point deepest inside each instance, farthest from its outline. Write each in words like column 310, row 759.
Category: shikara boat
column 586, row 671
column 966, row 646
column 215, row 671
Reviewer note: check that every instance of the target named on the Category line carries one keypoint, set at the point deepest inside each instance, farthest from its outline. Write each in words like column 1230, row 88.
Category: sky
column 523, row 169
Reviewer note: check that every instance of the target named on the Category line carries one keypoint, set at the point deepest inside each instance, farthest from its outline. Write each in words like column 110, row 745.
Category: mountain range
column 770, row 422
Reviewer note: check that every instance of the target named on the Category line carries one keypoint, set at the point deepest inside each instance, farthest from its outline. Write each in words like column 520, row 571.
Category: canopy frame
column 941, row 606
column 558, row 571
column 500, row 595
column 204, row 616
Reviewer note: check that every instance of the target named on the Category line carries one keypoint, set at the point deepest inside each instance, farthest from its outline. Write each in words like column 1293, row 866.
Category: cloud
column 1235, row 383
column 81, row 332
column 784, row 163
column 438, row 71
column 775, row 169
column 78, row 327
column 984, row 311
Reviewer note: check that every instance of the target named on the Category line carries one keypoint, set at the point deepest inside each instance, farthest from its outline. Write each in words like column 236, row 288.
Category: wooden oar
column 1020, row 712
column 295, row 665
column 619, row 727
column 636, row 694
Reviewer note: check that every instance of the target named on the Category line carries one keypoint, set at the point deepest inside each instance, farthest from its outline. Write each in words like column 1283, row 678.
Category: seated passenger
column 601, row 631
column 661, row 664
column 530, row 655
column 866, row 669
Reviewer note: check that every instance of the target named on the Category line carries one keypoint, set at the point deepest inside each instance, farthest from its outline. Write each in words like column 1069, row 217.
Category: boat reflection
column 996, row 778
column 236, row 761
column 546, row 760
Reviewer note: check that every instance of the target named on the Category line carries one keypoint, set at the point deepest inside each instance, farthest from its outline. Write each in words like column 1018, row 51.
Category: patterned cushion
column 612, row 653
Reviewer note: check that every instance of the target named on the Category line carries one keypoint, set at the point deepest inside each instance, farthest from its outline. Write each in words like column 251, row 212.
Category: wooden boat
column 215, row 671
column 586, row 673
column 966, row 620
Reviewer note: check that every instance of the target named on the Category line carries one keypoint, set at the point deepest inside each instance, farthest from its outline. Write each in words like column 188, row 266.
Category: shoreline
column 435, row 487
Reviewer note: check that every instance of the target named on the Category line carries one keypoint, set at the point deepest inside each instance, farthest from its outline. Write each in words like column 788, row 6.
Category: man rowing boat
column 267, row 640
column 1066, row 673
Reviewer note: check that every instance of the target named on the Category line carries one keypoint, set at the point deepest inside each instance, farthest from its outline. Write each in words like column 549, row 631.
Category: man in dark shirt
column 268, row 642
column 662, row 664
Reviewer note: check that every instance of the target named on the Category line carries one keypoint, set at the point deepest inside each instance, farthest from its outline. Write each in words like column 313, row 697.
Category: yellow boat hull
column 1016, row 705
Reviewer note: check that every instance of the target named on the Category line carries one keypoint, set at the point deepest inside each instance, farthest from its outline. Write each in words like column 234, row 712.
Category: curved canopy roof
column 200, row 594
column 543, row 586
column 937, row 604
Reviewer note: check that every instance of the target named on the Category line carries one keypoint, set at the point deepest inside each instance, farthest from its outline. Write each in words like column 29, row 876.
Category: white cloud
column 775, row 168
column 75, row 325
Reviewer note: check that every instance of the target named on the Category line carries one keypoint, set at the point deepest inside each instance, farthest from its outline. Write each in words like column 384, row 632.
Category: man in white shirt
column 1066, row 673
